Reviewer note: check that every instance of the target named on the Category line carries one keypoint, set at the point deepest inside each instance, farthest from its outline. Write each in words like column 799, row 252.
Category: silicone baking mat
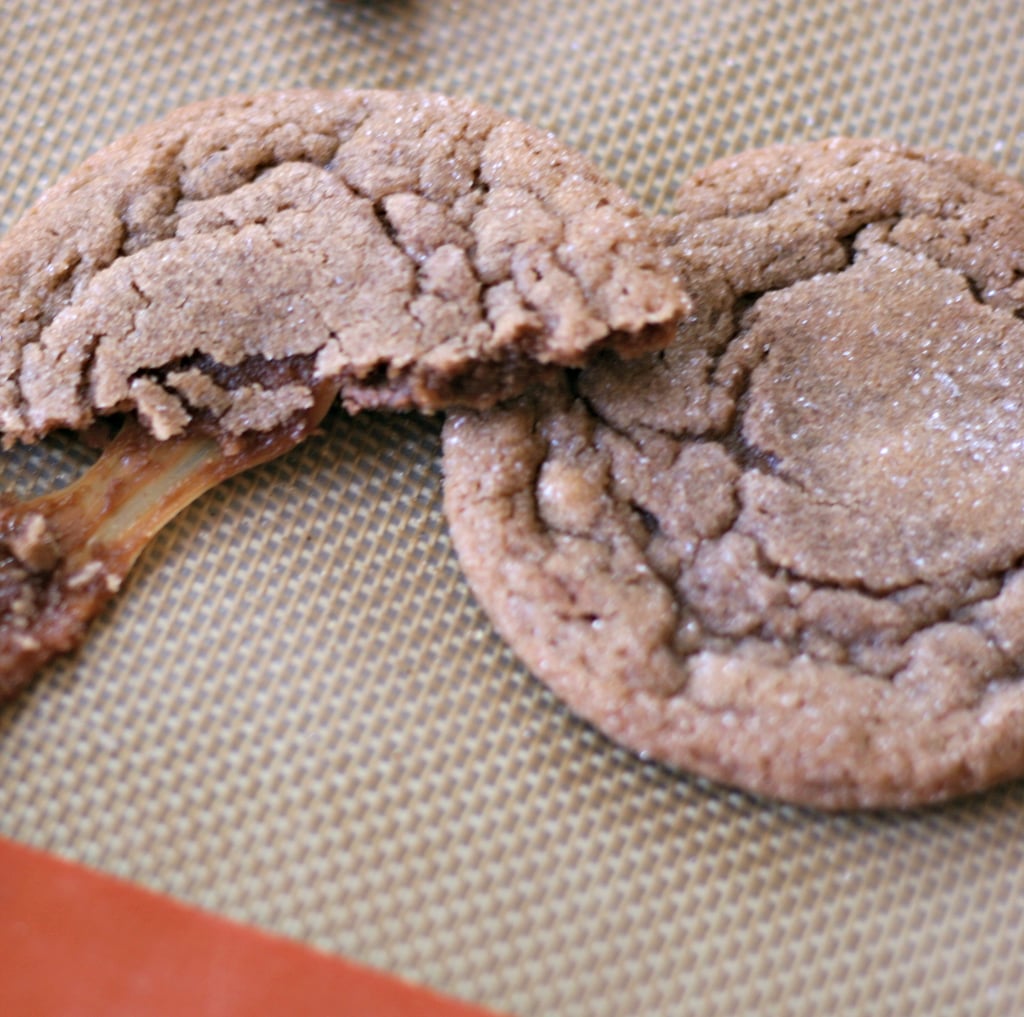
column 296, row 716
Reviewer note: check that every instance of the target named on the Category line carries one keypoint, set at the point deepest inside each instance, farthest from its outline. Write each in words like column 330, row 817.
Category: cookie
column 223, row 275
column 419, row 249
column 786, row 552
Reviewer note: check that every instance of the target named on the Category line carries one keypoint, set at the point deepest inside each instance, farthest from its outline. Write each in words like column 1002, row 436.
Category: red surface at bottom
column 78, row 942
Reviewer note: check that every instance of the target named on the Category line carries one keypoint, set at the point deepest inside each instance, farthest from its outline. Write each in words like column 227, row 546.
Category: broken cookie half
column 787, row 552
column 222, row 275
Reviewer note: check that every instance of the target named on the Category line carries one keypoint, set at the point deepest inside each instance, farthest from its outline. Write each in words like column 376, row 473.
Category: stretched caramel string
column 65, row 554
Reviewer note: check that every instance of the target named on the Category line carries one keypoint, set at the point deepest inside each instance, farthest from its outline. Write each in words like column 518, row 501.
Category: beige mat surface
column 297, row 716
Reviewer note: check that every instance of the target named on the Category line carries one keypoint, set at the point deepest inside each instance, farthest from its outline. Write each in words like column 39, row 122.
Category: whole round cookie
column 418, row 249
column 786, row 552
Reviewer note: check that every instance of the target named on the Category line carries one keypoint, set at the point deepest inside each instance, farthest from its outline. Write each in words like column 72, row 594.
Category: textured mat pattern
column 297, row 716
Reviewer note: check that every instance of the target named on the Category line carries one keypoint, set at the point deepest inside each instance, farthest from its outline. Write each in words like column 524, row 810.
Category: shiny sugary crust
column 786, row 552
column 419, row 249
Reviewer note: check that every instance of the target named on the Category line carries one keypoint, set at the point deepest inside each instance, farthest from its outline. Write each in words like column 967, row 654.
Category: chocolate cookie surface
column 786, row 552
column 420, row 249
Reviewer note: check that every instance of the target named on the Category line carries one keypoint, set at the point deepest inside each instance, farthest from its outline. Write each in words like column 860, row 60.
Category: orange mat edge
column 77, row 941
